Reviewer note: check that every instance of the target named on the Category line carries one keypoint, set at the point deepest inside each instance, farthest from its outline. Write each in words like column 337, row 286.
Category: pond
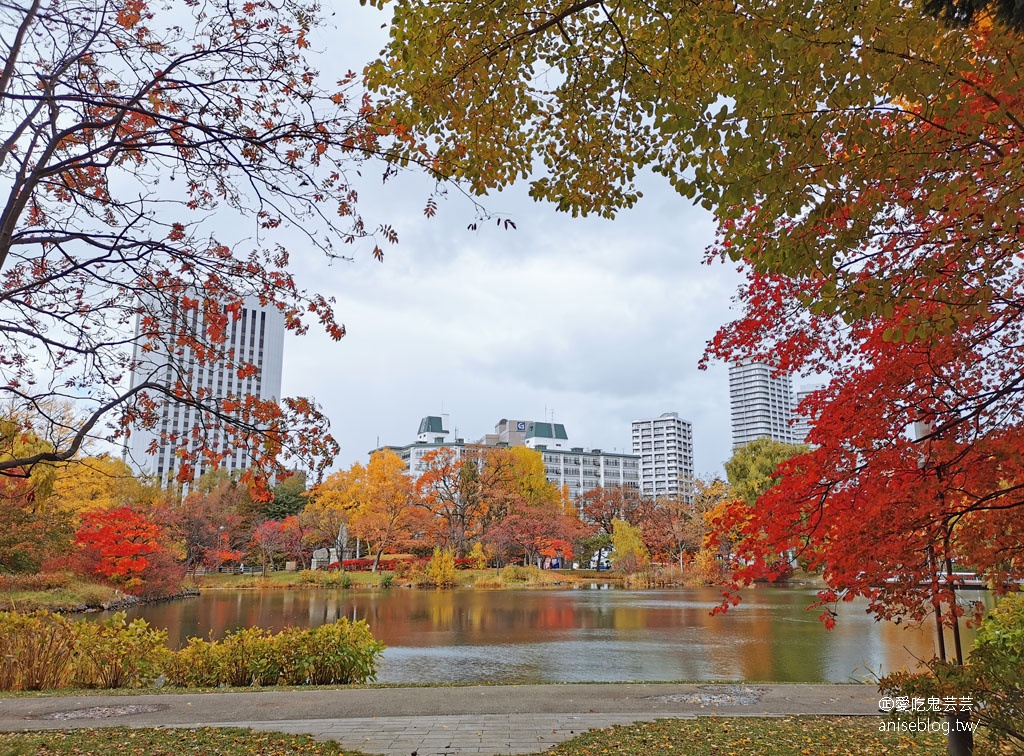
column 592, row 634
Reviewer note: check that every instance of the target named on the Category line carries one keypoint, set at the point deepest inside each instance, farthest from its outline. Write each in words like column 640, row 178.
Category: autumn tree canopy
column 161, row 159
column 864, row 164
column 384, row 515
column 126, row 548
column 813, row 130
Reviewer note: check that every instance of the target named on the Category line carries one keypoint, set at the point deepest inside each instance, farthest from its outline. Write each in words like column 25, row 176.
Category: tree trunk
column 959, row 741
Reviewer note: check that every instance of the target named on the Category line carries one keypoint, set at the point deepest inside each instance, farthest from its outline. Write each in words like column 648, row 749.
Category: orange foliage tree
column 452, row 487
column 160, row 160
column 209, row 527
column 471, row 491
column 277, row 539
column 529, row 517
column 602, row 506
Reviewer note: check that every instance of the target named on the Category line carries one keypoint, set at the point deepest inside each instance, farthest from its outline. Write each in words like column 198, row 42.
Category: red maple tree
column 125, row 548
column 917, row 317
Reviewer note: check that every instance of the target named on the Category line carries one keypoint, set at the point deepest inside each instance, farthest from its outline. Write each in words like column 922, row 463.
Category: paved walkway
column 505, row 719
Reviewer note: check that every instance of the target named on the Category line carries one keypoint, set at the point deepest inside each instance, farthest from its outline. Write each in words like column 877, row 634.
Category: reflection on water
column 574, row 635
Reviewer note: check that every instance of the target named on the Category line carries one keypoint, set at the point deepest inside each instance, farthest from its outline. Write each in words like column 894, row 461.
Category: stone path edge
column 482, row 720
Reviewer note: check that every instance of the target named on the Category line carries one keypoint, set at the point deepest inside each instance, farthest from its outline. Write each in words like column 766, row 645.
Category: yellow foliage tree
column 631, row 554
column 478, row 556
column 330, row 505
column 101, row 482
column 384, row 514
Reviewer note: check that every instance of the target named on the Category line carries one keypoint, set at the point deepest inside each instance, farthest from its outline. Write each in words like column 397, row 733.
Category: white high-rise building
column 802, row 423
column 762, row 405
column 665, row 447
column 254, row 336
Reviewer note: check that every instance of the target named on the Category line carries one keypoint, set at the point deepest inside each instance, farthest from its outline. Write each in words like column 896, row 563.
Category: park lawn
column 752, row 736
column 720, row 736
column 203, row 741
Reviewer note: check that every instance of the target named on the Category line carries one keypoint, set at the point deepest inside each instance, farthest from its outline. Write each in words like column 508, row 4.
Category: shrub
column 358, row 565
column 44, row 651
column 366, row 565
column 387, row 580
column 340, row 653
column 993, row 676
column 35, row 651
column 997, row 664
column 198, row 665
column 344, row 652
column 117, row 654
column 249, row 657
column 704, row 569
column 440, row 570
column 326, row 579
column 514, row 573
column 403, row 568
column 44, row 581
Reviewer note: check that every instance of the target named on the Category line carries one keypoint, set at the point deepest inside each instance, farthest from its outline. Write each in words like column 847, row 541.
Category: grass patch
column 508, row 577
column 299, row 579
column 70, row 596
column 515, row 576
column 739, row 736
column 750, row 736
column 203, row 741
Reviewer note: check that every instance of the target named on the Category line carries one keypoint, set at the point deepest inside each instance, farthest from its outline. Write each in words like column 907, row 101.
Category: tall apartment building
column 579, row 469
column 665, row 447
column 255, row 336
column 801, row 423
column 762, row 405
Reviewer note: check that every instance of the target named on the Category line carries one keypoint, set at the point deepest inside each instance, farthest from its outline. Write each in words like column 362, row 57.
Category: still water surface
column 574, row 635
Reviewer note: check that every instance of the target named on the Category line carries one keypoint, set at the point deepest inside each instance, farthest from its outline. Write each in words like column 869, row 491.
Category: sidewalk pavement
column 501, row 719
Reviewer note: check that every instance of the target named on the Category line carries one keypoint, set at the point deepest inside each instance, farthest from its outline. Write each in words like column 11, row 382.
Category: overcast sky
column 595, row 322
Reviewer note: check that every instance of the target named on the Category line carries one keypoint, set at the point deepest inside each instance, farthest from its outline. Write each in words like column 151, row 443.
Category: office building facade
column 577, row 469
column 255, row 335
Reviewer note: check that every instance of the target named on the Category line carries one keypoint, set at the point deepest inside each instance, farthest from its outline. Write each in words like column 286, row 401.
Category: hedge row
column 45, row 651
column 390, row 565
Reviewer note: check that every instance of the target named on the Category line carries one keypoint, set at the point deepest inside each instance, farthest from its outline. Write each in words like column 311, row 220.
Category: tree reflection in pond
column 574, row 635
